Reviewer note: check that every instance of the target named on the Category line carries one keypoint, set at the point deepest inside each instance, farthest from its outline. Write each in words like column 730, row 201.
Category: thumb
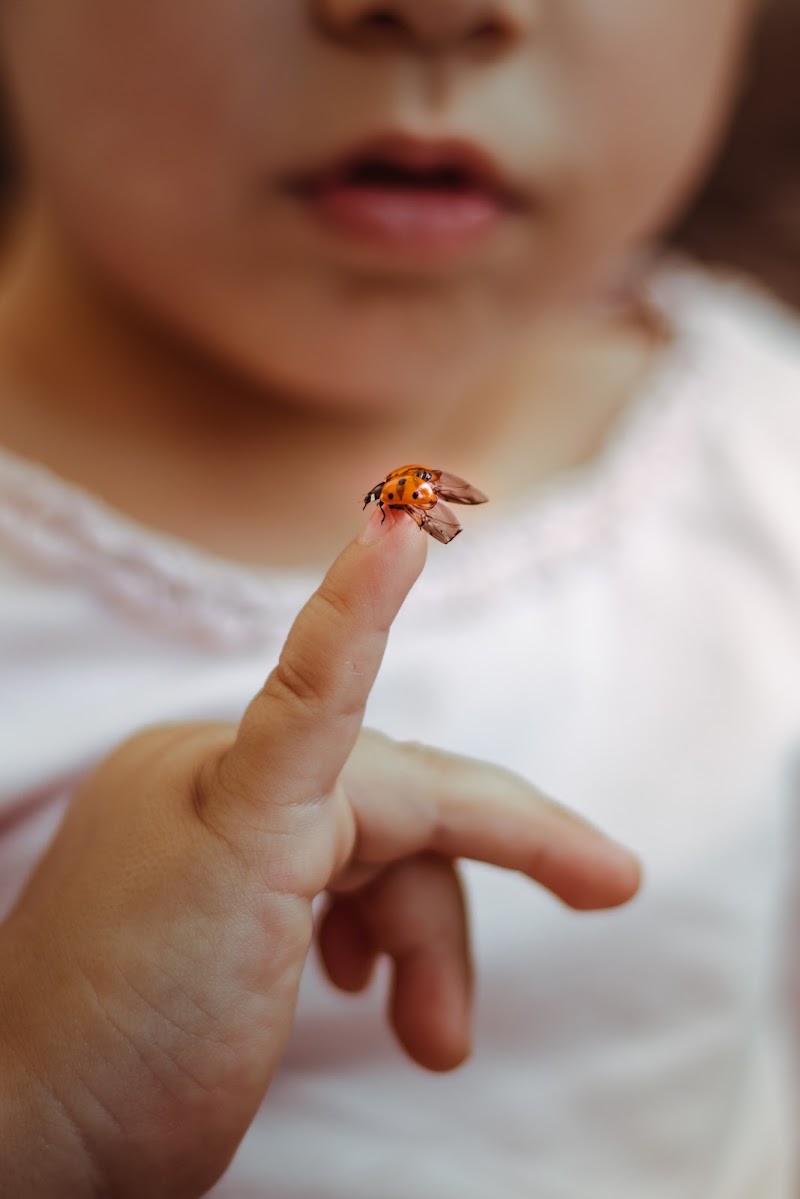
column 298, row 732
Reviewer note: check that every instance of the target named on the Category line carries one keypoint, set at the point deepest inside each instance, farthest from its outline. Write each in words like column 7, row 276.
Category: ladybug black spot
column 401, row 482
column 416, row 495
column 391, row 495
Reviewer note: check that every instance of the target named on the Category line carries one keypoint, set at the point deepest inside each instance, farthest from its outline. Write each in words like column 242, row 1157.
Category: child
column 261, row 253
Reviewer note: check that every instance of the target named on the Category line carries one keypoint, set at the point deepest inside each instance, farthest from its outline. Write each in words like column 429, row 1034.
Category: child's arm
column 149, row 973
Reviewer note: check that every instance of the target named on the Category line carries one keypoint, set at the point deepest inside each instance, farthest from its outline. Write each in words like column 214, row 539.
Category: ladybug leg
column 418, row 515
column 383, row 511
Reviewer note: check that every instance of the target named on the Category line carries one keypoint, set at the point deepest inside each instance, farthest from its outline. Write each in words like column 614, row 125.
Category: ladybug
column 420, row 491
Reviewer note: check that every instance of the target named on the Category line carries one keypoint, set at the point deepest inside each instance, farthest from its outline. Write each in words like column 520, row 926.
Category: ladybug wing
column 458, row 491
column 441, row 523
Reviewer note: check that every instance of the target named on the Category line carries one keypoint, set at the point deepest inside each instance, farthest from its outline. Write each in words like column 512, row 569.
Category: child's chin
column 360, row 378
column 413, row 387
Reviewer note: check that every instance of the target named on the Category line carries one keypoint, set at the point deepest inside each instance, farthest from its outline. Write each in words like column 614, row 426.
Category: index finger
column 299, row 730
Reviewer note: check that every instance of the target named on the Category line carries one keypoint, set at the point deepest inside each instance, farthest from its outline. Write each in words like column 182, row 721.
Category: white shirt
column 630, row 641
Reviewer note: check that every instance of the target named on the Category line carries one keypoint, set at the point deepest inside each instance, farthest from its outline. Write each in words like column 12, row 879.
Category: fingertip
column 380, row 522
column 445, row 1058
column 395, row 530
column 629, row 873
column 432, row 1010
column 623, row 873
column 609, row 881
column 391, row 553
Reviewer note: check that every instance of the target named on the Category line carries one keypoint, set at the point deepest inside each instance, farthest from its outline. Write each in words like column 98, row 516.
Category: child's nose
column 428, row 24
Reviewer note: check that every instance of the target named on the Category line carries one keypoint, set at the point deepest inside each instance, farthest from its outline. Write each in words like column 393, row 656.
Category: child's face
column 200, row 154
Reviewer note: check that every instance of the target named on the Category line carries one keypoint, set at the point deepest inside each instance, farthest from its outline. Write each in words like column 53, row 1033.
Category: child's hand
column 149, row 974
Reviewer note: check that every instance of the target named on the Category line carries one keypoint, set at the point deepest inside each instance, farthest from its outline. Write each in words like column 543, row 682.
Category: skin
column 152, row 259
column 243, row 343
column 209, row 857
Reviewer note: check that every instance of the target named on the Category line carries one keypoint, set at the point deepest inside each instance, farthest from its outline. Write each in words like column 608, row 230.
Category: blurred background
column 749, row 214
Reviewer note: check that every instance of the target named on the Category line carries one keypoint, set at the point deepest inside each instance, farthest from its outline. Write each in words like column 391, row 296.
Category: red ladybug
column 419, row 491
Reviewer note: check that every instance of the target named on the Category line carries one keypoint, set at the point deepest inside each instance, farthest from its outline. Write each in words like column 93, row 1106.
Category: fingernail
column 378, row 524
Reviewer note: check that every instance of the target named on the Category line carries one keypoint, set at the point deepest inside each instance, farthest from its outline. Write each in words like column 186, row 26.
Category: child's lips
column 400, row 218
column 410, row 195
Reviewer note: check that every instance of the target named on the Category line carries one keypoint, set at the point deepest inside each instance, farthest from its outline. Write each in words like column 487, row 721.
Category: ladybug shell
column 400, row 490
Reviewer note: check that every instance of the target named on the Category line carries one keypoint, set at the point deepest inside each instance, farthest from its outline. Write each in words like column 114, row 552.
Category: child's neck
column 94, row 393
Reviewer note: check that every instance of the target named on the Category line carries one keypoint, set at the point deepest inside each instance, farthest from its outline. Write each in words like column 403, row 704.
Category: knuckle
column 334, row 603
column 290, row 683
column 215, row 777
column 446, row 767
column 220, row 788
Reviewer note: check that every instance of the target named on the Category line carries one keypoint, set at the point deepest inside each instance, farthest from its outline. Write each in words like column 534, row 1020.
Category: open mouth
column 382, row 173
column 410, row 192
